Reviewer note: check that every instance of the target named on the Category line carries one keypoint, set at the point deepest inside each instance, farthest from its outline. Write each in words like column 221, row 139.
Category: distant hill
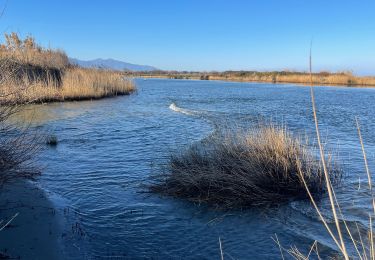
column 111, row 64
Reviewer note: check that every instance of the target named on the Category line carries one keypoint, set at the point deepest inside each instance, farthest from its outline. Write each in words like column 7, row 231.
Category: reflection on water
column 43, row 113
column 108, row 148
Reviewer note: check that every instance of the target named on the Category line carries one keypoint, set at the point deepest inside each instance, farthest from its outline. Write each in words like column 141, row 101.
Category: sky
column 204, row 35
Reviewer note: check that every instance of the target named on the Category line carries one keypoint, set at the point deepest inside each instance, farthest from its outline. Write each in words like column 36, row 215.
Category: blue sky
column 205, row 34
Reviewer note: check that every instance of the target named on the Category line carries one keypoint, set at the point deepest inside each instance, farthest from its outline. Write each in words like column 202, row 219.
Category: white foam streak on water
column 183, row 110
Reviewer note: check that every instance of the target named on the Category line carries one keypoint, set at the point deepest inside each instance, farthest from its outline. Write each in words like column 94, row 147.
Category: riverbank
column 35, row 232
column 321, row 78
column 26, row 83
column 30, row 73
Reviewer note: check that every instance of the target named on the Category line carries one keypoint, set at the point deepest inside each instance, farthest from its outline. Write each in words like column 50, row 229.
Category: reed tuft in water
column 263, row 166
column 51, row 140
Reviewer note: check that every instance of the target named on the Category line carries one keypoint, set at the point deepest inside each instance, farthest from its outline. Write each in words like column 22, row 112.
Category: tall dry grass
column 81, row 83
column 31, row 73
column 345, row 236
column 262, row 166
column 321, row 78
column 345, row 79
column 27, row 51
column 75, row 84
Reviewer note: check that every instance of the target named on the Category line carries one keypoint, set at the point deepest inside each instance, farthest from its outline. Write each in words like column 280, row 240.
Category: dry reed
column 342, row 234
column 321, row 78
column 31, row 73
column 27, row 51
column 76, row 84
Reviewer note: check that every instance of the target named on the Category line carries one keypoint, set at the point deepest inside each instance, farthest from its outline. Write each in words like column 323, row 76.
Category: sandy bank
column 36, row 231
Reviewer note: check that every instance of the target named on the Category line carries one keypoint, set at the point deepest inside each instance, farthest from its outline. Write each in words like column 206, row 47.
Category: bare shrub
column 18, row 144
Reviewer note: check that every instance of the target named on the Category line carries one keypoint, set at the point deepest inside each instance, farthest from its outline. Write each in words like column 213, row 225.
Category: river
column 107, row 149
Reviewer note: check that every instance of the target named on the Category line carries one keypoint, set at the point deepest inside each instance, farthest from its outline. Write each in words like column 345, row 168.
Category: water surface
column 108, row 148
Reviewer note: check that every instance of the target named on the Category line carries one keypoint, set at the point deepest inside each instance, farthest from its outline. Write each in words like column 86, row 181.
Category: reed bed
column 76, row 84
column 262, row 166
column 344, row 79
column 30, row 73
column 320, row 78
column 27, row 51
column 81, row 83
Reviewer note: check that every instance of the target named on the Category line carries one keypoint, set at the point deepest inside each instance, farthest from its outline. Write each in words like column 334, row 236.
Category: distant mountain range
column 111, row 64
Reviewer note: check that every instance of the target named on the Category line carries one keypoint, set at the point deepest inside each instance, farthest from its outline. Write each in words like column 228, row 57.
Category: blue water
column 108, row 148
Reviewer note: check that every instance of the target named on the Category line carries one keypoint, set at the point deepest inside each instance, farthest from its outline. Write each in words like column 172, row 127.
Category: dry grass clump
column 236, row 170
